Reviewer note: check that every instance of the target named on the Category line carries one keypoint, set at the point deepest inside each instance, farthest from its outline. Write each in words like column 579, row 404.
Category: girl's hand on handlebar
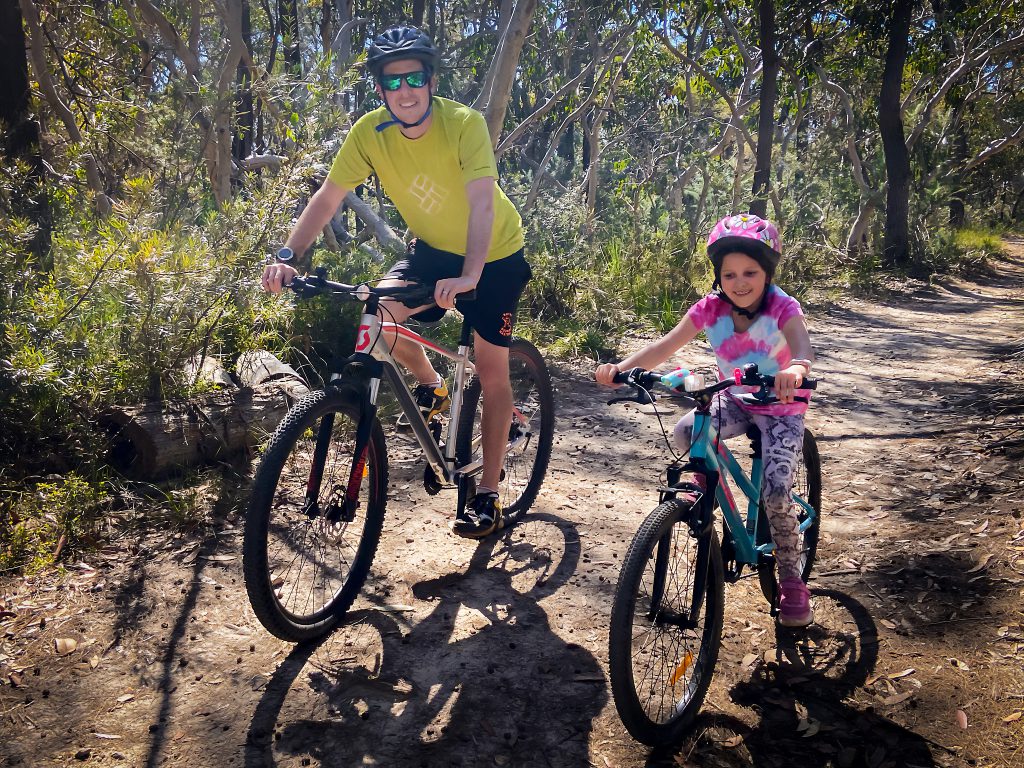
column 787, row 381
column 446, row 290
column 276, row 277
column 606, row 373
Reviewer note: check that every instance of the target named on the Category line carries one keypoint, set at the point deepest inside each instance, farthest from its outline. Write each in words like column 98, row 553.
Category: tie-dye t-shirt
column 762, row 343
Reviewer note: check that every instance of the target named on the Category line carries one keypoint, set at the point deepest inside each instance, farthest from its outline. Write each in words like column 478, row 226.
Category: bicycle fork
column 700, row 523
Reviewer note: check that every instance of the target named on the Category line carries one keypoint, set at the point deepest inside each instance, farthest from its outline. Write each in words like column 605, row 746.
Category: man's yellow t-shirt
column 426, row 177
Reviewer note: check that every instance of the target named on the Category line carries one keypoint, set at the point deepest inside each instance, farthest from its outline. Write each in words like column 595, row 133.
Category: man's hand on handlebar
column 445, row 291
column 277, row 276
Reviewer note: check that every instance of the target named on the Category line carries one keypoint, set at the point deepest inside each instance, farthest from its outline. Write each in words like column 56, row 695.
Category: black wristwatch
column 285, row 254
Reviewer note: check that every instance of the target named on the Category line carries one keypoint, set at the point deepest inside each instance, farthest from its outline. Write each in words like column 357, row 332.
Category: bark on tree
column 288, row 16
column 20, row 139
column 159, row 439
column 766, row 116
column 493, row 99
column 242, row 138
column 896, row 248
column 36, row 49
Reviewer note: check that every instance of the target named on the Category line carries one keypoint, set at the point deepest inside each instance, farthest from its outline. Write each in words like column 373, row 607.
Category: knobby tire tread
column 305, row 413
column 524, row 350
column 631, row 710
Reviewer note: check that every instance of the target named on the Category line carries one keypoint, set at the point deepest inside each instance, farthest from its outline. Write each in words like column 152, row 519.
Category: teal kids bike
column 666, row 622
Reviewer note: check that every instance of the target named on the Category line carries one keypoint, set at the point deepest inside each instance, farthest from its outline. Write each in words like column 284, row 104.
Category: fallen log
column 160, row 439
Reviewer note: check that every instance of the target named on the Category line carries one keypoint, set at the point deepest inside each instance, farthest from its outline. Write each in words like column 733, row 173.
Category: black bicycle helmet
column 401, row 42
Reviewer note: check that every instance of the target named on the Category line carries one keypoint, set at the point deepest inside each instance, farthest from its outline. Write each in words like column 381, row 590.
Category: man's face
column 408, row 102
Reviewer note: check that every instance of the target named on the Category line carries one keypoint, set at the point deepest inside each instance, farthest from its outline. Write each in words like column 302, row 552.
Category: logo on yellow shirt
column 430, row 195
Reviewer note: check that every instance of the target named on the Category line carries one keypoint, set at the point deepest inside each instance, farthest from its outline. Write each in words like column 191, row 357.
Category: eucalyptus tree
column 23, row 195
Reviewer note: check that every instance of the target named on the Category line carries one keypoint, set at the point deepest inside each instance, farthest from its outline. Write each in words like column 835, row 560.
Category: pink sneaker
column 794, row 604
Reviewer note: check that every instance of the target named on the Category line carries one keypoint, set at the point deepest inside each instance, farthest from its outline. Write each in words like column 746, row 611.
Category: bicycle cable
column 661, row 424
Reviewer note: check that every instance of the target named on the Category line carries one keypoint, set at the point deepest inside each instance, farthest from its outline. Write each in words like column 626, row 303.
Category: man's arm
column 312, row 220
column 480, row 193
column 320, row 209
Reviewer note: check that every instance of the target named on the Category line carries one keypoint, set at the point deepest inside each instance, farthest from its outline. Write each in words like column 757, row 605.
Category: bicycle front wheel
column 305, row 559
column 806, row 485
column 530, row 433
column 666, row 625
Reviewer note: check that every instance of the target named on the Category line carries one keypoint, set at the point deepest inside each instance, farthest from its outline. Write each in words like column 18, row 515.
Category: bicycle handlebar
column 683, row 381
column 413, row 295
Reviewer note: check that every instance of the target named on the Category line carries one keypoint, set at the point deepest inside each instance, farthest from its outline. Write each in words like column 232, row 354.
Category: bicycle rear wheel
column 806, row 485
column 530, row 434
column 663, row 638
column 306, row 560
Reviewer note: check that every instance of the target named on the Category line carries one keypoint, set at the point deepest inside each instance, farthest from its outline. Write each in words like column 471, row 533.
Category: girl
column 748, row 319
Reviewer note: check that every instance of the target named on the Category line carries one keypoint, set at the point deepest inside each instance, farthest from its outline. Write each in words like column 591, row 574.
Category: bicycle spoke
column 303, row 564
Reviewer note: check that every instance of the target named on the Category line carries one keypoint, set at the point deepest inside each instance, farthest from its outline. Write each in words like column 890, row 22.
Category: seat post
column 466, row 337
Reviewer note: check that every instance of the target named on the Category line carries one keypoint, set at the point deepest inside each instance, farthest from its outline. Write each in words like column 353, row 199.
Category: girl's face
column 743, row 280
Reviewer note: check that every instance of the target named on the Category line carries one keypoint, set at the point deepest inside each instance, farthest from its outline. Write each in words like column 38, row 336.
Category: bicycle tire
column 806, row 485
column 302, row 571
column 524, row 470
column 660, row 672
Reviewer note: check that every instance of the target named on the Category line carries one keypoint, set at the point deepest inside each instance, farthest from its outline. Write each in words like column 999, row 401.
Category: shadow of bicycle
column 801, row 692
column 480, row 680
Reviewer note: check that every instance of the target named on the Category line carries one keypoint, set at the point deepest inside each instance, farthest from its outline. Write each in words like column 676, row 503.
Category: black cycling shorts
column 493, row 314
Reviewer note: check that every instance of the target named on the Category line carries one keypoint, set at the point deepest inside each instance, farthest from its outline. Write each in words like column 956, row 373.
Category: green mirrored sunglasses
column 414, row 79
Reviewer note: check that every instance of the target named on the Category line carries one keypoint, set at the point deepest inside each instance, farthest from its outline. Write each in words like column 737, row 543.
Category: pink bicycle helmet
column 749, row 234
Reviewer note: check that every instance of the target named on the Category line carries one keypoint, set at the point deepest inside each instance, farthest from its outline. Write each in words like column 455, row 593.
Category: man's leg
column 482, row 514
column 492, row 369
column 407, row 353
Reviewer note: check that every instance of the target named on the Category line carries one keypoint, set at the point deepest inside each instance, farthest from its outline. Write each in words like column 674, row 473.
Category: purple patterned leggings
column 781, row 447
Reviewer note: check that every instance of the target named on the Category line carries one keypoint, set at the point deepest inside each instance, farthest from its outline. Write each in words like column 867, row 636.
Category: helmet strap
column 750, row 314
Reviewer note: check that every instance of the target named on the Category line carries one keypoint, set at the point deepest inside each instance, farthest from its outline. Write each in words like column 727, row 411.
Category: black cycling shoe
column 482, row 516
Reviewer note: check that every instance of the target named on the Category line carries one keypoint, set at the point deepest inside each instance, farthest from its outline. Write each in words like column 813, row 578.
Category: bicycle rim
column 304, row 564
column 661, row 666
column 530, row 434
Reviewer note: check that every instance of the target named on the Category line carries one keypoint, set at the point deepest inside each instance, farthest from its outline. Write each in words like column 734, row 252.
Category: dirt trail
column 496, row 654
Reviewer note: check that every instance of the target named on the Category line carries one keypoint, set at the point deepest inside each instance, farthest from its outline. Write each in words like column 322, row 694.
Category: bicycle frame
column 372, row 361
column 711, row 457
column 372, row 344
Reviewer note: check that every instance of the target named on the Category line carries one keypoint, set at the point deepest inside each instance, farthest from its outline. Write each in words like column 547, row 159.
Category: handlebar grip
column 805, row 384
column 637, row 377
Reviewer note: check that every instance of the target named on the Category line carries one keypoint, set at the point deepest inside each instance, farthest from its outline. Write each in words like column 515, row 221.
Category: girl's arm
column 653, row 354
column 788, row 380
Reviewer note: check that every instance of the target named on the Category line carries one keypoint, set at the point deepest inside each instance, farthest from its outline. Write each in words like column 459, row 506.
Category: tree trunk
column 160, row 439
column 737, row 178
column 20, row 140
column 418, row 7
column 896, row 251
column 857, row 238
column 288, row 18
column 242, row 138
column 493, row 99
column 766, row 118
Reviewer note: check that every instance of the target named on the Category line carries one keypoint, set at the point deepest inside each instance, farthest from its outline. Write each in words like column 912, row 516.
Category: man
column 435, row 160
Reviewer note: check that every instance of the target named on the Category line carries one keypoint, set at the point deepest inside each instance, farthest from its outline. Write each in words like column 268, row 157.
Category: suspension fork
column 367, row 413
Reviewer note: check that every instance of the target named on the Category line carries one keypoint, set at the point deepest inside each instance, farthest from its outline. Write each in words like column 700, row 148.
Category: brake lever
column 642, row 396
